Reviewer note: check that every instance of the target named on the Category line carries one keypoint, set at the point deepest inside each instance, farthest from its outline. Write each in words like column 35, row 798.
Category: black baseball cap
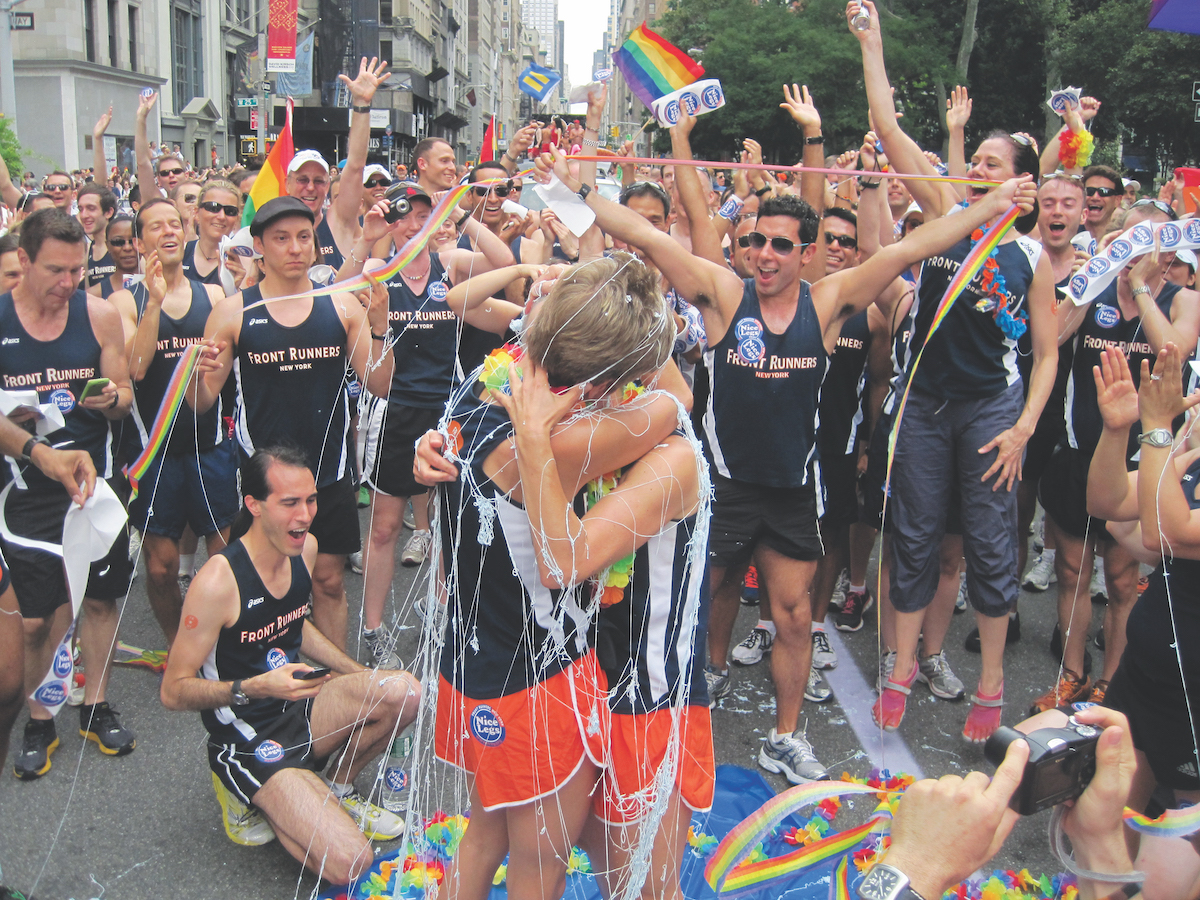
column 401, row 196
column 279, row 208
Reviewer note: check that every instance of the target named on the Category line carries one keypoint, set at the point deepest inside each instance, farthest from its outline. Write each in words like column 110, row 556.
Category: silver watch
column 886, row 882
column 238, row 697
column 1157, row 437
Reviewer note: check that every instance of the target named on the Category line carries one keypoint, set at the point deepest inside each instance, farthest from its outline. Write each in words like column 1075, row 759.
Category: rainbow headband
column 723, row 873
column 165, row 419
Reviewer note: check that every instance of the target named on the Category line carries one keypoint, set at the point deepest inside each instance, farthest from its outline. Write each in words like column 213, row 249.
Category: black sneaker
column 41, row 740
column 850, row 616
column 1014, row 634
column 100, row 723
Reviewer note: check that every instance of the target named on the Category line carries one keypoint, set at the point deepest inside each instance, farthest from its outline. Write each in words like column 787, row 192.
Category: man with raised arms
column 273, row 721
column 290, row 356
column 769, row 340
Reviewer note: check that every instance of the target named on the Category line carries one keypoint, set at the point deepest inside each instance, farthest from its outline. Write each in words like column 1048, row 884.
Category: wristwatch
column 1144, row 289
column 238, row 697
column 815, row 139
column 885, row 882
column 1157, row 437
column 27, row 450
column 584, row 190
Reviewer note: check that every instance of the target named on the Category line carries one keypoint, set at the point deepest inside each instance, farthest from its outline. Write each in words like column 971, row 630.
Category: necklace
column 415, row 277
column 205, row 255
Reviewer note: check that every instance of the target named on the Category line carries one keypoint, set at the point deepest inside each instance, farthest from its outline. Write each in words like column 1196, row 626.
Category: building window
column 385, row 13
column 187, row 52
column 133, row 36
column 113, row 15
column 385, row 52
column 89, row 29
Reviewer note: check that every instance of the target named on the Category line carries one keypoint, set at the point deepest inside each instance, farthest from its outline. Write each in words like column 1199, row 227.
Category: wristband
column 361, row 109
column 584, row 190
column 762, row 192
column 380, row 337
column 819, row 139
column 868, row 185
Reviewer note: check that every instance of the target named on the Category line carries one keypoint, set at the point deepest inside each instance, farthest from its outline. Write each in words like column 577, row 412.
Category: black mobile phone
column 318, row 672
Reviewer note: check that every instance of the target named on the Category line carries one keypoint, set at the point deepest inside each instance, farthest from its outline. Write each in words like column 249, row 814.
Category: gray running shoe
column 417, row 549
column 817, row 691
column 1041, row 574
column 841, row 589
column 935, row 671
column 750, row 651
column 354, row 562
column 961, row 602
column 791, row 755
column 379, row 646
column 823, row 656
column 719, row 685
column 887, row 663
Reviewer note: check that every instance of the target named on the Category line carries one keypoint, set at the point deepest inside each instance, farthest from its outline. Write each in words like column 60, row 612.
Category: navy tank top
column 842, row 391
column 291, row 384
column 506, row 631
column 267, row 634
column 1106, row 326
column 189, row 266
column 191, row 433
column 426, row 330
column 970, row 357
column 327, row 246
column 762, row 406
column 57, row 370
column 99, row 270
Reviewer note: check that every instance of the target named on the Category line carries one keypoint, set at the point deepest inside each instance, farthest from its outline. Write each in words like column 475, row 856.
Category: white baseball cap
column 307, row 156
column 376, row 169
column 1188, row 257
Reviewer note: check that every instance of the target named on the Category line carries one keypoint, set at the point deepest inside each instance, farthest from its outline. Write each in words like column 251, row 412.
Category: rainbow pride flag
column 653, row 67
column 271, row 179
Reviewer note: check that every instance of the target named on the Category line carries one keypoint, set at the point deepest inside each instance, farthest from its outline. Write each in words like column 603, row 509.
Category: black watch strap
column 817, row 139
column 361, row 109
column 584, row 190
column 27, row 450
column 238, row 697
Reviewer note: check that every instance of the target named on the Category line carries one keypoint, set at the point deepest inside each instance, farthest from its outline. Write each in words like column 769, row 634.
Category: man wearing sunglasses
column 769, row 342
column 1103, row 193
column 60, row 188
column 194, row 479
column 376, row 181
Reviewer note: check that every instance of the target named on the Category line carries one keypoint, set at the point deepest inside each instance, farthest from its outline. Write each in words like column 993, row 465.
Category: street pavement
column 147, row 825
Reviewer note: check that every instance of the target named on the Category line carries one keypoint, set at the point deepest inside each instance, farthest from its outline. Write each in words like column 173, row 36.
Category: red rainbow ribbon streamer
column 165, row 419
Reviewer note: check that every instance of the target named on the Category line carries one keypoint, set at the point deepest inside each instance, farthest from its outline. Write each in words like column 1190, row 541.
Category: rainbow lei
column 995, row 299
column 494, row 374
column 611, row 582
column 1075, row 148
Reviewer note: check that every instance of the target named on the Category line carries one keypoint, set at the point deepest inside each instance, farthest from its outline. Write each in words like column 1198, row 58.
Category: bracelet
column 819, row 139
column 355, row 258
column 868, row 185
column 116, row 400
column 361, row 109
column 380, row 337
column 762, row 192
column 1144, row 289
column 505, row 155
column 588, row 142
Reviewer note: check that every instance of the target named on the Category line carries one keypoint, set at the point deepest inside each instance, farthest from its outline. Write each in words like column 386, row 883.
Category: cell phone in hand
column 93, row 388
column 313, row 674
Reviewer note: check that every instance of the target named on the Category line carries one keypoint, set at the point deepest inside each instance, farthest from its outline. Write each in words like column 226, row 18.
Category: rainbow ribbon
column 839, row 885
column 722, row 870
column 165, row 419
column 966, row 272
column 1174, row 823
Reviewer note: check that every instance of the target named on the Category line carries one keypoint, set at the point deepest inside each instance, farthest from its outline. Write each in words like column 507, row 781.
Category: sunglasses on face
column 57, row 187
column 1101, row 192
column 119, row 242
column 377, row 183
column 757, row 240
column 214, row 207
column 500, row 190
column 842, row 240
column 167, row 173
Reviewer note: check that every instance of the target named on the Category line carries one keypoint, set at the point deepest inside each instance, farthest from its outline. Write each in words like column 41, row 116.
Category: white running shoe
column 1041, row 574
column 417, row 549
column 823, row 656
column 750, row 651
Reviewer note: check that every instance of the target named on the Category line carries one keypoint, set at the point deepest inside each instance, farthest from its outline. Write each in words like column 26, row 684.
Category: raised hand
column 958, row 109
column 102, row 124
column 370, row 76
column 1115, row 392
column 798, row 103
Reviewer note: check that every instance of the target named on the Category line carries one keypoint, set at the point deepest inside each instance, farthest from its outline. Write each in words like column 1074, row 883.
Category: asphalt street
column 147, row 825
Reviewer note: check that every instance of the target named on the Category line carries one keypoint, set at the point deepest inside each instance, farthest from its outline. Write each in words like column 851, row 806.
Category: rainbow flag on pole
column 272, row 178
column 653, row 67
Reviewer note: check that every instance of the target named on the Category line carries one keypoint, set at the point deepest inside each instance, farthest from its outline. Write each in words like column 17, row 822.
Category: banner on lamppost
column 281, row 36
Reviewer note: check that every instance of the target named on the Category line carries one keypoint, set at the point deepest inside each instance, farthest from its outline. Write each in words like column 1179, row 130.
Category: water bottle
column 397, row 775
column 862, row 18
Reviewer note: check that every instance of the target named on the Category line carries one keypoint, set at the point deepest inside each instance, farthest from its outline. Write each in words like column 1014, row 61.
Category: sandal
column 888, row 710
column 984, row 717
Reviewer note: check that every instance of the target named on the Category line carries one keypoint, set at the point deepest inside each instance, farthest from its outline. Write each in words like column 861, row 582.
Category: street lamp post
column 8, row 85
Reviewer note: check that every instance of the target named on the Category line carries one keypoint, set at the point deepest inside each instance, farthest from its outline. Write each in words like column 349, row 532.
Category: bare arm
column 958, row 113
column 1183, row 326
column 321, row 649
column 99, row 163
column 874, row 215
column 469, row 293
column 491, row 252
column 1169, row 524
column 143, row 343
column 362, row 91
column 116, row 399
column 9, row 192
column 366, row 316
column 798, row 103
column 73, row 469
column 706, row 243
column 221, row 333
column 1112, row 491
column 141, row 148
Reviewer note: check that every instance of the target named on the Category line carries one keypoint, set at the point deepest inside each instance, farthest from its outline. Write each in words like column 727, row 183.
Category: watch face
column 881, row 883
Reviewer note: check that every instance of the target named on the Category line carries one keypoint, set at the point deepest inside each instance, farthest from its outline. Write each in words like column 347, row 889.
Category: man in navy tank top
column 56, row 340
column 769, row 342
column 274, row 722
column 289, row 357
column 194, row 480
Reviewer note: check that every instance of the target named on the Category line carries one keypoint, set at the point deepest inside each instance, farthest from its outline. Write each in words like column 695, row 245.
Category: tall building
column 542, row 15
column 626, row 113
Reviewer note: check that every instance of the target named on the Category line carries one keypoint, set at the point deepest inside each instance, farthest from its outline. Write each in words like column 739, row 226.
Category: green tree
column 11, row 150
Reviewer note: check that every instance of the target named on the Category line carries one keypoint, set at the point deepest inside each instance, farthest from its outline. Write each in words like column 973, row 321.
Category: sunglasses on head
column 378, row 182
column 842, row 240
column 1157, row 204
column 500, row 190
column 1101, row 192
column 757, row 240
column 119, row 242
column 167, row 173
column 1021, row 139
column 213, row 206
column 57, row 187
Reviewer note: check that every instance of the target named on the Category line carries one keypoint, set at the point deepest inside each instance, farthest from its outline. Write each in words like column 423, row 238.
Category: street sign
column 1197, row 119
column 266, row 87
column 388, row 130
column 387, row 141
column 22, row 21
column 243, row 102
column 1195, row 84
column 254, row 119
